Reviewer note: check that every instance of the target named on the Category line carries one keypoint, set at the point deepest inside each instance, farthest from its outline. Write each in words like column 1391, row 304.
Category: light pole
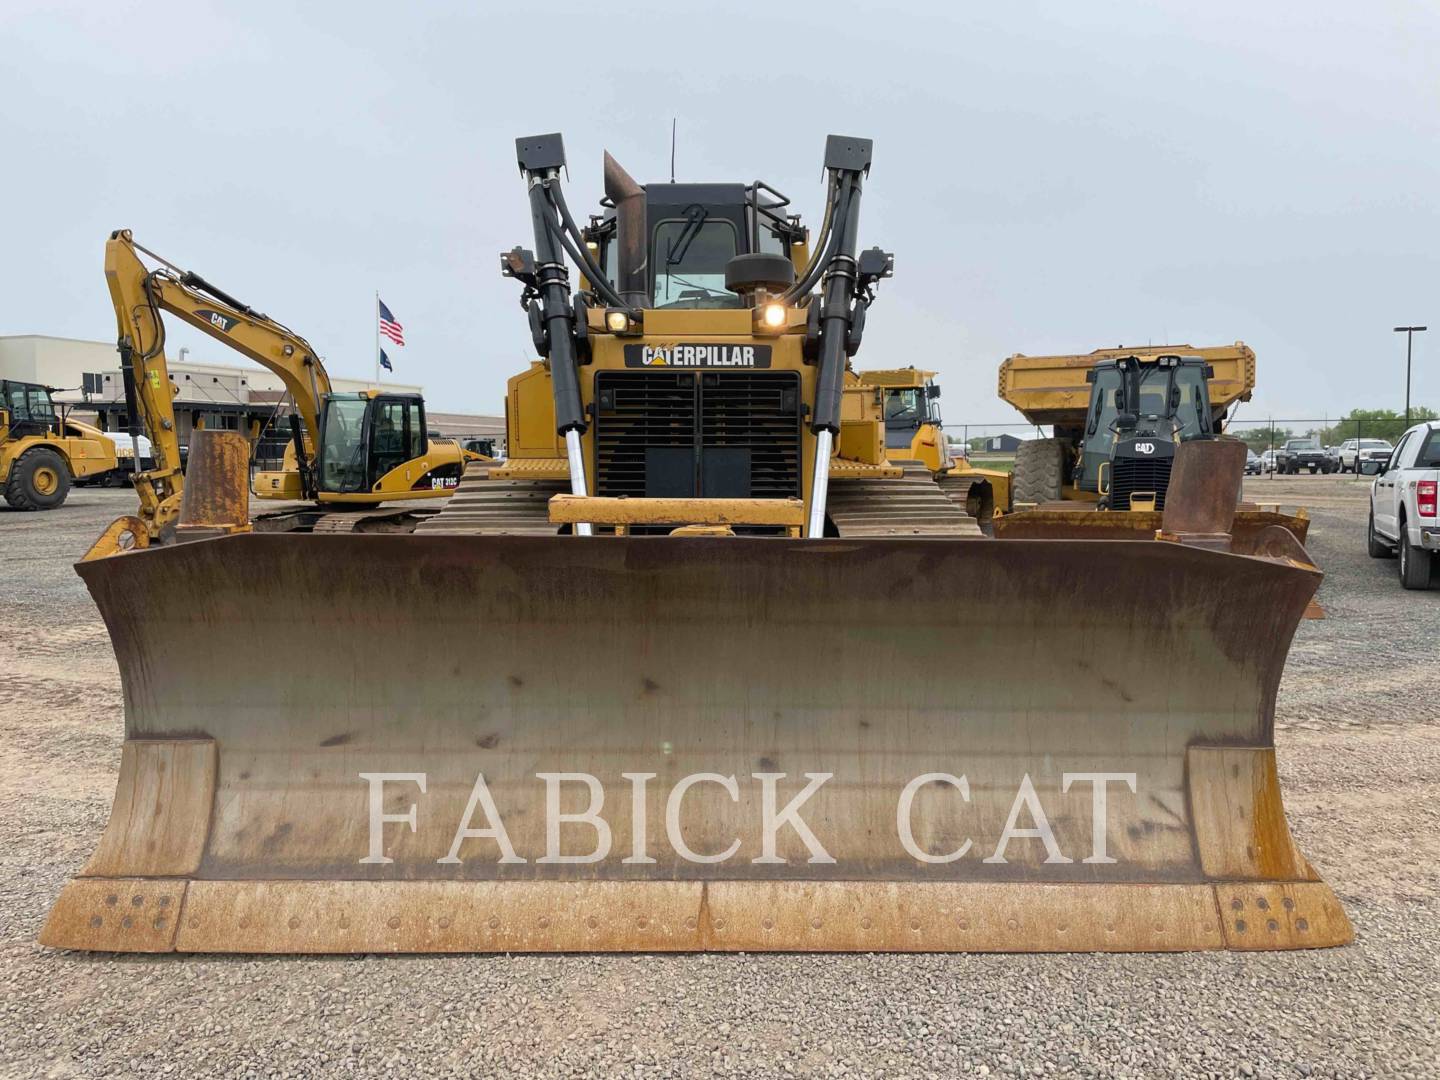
column 1409, row 332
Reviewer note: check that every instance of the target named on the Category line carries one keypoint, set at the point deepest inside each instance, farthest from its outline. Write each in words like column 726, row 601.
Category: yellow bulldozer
column 347, row 452
column 915, row 437
column 43, row 451
column 718, row 707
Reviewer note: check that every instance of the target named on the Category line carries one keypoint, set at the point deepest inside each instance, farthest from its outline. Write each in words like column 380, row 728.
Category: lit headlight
column 773, row 316
column 617, row 322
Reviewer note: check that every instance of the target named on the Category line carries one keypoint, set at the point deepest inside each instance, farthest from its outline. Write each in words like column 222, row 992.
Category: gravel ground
column 1360, row 762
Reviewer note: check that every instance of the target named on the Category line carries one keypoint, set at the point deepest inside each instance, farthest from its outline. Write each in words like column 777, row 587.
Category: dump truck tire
column 319, row 788
column 40, row 480
column 1039, row 471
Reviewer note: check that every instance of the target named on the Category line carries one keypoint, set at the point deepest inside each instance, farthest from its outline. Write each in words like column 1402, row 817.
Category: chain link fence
column 1345, row 438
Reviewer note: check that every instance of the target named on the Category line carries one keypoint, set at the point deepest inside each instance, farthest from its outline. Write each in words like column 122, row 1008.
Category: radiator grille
column 741, row 431
column 1128, row 475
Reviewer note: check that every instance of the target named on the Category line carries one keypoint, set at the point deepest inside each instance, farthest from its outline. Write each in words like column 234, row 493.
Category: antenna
column 673, row 121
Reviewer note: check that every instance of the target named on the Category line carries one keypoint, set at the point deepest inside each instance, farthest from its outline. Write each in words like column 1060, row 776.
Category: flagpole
column 377, row 339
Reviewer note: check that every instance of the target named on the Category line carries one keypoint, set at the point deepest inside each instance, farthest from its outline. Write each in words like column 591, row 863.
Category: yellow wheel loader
column 42, row 451
column 718, row 707
column 348, row 452
column 914, row 436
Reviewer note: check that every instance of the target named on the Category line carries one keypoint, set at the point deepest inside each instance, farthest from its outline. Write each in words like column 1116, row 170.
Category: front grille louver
column 756, row 412
column 1129, row 475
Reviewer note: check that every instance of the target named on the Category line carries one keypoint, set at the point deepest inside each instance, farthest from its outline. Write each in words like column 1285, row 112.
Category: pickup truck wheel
column 1415, row 564
column 1376, row 547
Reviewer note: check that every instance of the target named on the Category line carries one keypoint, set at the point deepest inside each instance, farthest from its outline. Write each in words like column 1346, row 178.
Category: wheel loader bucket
column 438, row 743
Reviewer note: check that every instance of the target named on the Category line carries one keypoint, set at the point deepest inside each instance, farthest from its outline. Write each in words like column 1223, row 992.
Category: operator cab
column 907, row 410
column 1141, row 408
column 692, row 233
column 365, row 435
column 29, row 407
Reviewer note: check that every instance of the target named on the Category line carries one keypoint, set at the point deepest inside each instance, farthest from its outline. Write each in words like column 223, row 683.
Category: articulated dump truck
column 718, row 707
column 1118, row 418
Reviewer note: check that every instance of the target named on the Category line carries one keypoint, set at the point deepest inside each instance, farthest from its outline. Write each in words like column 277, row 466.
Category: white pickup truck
column 1403, row 513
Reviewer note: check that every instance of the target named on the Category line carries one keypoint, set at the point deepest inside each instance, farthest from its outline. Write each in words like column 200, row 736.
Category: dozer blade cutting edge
column 695, row 744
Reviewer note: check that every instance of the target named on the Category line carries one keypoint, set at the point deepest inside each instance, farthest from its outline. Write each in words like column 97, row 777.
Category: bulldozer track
column 914, row 505
column 485, row 507
column 911, row 506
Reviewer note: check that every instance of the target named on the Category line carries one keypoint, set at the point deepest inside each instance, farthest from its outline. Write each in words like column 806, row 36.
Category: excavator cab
column 365, row 436
column 1141, row 409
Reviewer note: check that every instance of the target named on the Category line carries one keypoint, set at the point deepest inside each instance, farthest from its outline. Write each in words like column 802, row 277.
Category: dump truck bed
column 1052, row 390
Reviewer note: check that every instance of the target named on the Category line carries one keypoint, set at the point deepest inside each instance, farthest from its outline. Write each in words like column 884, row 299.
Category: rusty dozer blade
column 440, row 743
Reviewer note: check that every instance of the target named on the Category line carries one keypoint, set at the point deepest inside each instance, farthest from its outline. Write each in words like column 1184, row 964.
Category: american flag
column 388, row 326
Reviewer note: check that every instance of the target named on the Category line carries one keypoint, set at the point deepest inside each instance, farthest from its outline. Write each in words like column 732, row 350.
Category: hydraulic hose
column 577, row 249
column 825, row 245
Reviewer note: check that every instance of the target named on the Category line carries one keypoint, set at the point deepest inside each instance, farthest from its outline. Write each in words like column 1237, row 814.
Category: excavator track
column 485, row 507
column 914, row 505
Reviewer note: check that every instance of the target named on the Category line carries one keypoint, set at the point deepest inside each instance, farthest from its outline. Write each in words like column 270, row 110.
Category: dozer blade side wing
column 458, row 743
column 1085, row 523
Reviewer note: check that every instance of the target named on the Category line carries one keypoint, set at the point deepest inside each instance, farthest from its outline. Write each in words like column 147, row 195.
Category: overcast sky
column 1051, row 177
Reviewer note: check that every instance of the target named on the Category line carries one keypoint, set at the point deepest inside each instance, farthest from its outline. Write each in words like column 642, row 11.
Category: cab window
column 1192, row 415
column 29, row 403
column 688, row 256
column 1402, row 451
column 1107, row 381
column 903, row 407
column 342, row 451
column 398, row 434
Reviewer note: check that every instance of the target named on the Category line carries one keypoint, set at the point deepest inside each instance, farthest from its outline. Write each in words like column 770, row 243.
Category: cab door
column 1385, row 502
column 397, row 434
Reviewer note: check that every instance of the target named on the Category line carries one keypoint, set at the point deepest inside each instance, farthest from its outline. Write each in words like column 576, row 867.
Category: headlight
column 774, row 316
column 617, row 322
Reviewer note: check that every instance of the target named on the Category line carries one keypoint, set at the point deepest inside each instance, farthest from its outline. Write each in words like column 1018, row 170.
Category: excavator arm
column 140, row 296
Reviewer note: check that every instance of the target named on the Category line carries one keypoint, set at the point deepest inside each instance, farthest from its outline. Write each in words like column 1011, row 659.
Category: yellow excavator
column 348, row 452
column 719, row 706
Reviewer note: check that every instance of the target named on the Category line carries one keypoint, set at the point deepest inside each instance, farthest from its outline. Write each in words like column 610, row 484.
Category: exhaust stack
column 629, row 198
